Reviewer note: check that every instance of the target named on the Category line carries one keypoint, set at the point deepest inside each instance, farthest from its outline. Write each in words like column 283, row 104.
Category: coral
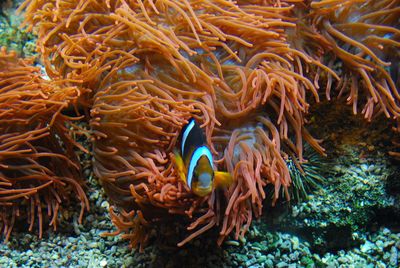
column 39, row 169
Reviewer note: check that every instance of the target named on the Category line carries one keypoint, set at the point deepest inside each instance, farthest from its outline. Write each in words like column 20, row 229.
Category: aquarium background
column 347, row 215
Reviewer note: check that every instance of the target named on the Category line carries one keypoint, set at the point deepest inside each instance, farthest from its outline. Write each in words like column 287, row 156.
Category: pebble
column 294, row 256
column 398, row 245
column 262, row 259
column 128, row 261
column 55, row 256
column 379, row 244
column 232, row 243
column 105, row 205
column 393, row 256
column 286, row 246
column 242, row 239
column 295, row 243
column 343, row 260
column 367, row 247
column 364, row 167
column 250, row 262
column 388, row 244
column 103, row 262
column 93, row 245
column 269, row 263
column 282, row 265
column 380, row 264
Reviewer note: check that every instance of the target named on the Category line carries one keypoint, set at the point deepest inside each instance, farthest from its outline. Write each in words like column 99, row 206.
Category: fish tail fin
column 222, row 179
column 179, row 165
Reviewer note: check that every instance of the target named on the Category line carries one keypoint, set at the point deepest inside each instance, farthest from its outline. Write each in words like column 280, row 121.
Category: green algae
column 12, row 36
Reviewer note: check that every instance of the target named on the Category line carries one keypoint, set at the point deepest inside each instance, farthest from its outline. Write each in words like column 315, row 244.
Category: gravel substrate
column 259, row 249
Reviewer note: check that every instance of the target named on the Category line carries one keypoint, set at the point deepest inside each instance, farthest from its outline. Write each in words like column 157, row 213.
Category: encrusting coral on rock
column 39, row 170
column 244, row 70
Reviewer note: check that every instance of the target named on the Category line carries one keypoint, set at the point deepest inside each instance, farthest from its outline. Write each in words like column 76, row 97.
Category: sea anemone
column 234, row 66
column 152, row 66
column 362, row 36
column 39, row 169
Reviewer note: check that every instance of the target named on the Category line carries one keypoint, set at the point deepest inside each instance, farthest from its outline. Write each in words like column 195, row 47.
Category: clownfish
column 195, row 163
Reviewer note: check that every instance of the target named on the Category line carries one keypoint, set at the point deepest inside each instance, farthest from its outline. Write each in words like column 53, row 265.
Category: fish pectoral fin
column 180, row 166
column 222, row 179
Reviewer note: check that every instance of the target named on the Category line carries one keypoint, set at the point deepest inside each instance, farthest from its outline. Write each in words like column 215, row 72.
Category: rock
column 262, row 259
column 379, row 244
column 269, row 263
column 380, row 265
column 367, row 247
column 295, row 243
column 128, row 261
column 94, row 245
column 364, row 167
column 103, row 262
column 282, row 264
column 393, row 256
column 286, row 246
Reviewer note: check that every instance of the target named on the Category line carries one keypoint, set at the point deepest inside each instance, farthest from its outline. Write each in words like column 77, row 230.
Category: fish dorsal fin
column 191, row 138
column 186, row 131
